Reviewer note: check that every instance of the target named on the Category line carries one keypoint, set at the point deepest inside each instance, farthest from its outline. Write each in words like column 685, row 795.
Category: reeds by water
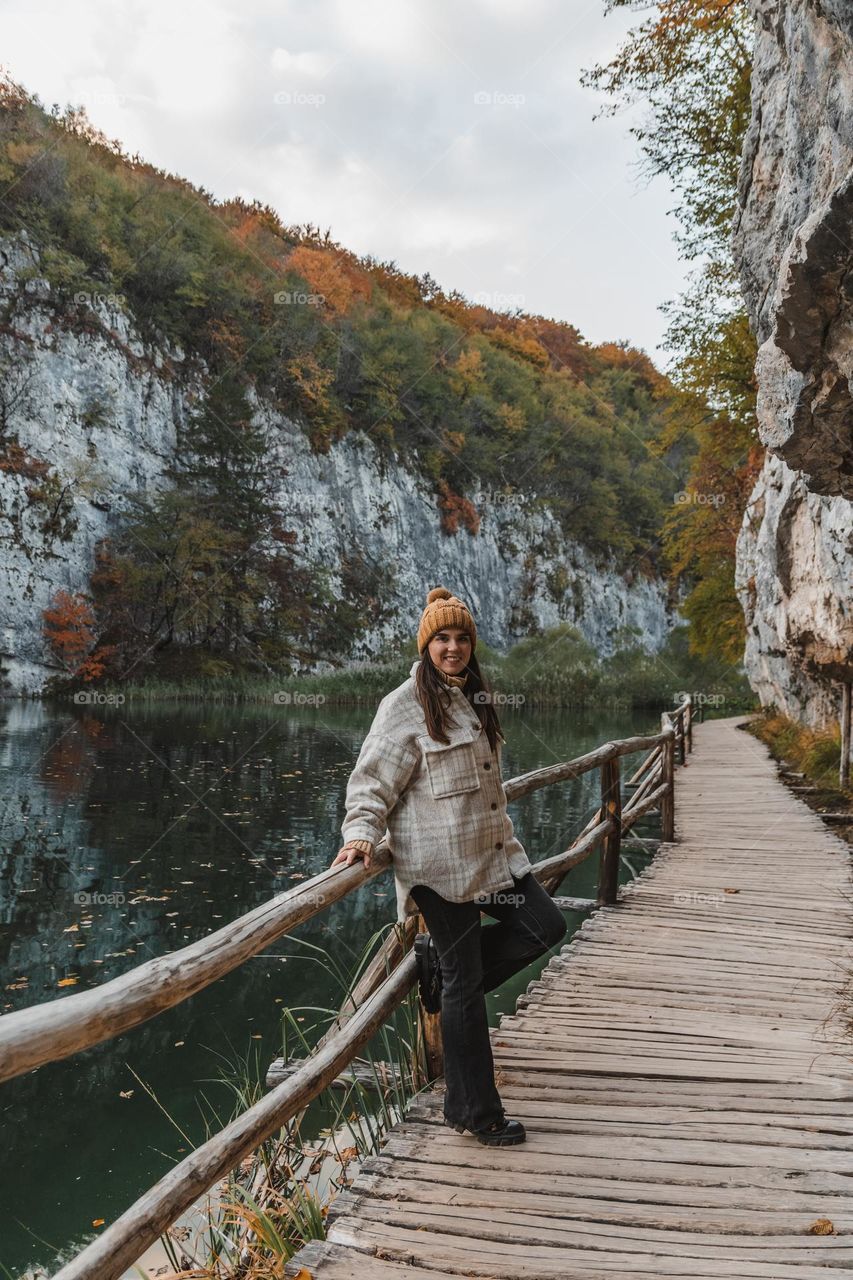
column 266, row 1210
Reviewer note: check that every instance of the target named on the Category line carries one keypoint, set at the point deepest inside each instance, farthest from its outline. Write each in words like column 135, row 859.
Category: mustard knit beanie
column 444, row 610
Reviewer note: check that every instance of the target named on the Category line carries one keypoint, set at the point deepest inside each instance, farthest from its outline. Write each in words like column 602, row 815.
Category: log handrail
column 58, row 1028
column 55, row 1029
column 126, row 1239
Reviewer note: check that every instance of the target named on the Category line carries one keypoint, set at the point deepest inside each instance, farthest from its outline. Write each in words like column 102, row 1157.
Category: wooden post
column 689, row 714
column 679, row 732
column 429, row 1030
column 844, row 765
column 611, row 807
column 667, row 804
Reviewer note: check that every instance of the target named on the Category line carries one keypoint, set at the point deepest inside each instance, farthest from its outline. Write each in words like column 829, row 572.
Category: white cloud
column 379, row 136
column 316, row 64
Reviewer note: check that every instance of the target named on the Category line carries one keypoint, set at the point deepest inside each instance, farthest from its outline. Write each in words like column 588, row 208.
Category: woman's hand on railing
column 352, row 851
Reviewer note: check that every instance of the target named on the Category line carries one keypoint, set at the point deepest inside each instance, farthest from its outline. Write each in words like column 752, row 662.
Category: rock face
column 793, row 579
column 792, row 241
column 792, row 237
column 103, row 409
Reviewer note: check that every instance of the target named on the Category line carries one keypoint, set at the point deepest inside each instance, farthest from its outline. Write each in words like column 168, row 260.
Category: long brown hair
column 434, row 694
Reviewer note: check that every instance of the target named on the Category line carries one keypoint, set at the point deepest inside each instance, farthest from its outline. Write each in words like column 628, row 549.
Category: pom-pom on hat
column 444, row 610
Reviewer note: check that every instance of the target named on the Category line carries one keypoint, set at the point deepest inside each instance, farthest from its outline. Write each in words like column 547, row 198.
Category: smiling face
column 450, row 650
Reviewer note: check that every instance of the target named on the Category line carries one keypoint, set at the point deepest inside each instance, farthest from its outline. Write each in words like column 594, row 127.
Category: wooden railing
column 54, row 1030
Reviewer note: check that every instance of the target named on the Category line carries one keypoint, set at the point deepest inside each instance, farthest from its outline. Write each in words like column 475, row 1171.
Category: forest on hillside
column 472, row 399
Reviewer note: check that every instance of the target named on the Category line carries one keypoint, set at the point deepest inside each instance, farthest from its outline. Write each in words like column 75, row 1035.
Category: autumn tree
column 204, row 578
column 69, row 627
column 689, row 63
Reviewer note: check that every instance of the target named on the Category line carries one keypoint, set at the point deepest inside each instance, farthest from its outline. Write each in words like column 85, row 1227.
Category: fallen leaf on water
column 72, row 928
column 98, row 1222
column 67, row 982
column 822, row 1227
column 126, row 1093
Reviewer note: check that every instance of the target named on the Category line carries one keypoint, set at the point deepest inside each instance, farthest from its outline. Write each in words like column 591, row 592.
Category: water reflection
column 126, row 833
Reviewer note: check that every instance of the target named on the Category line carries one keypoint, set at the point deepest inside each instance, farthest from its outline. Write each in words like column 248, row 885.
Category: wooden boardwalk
column 683, row 1067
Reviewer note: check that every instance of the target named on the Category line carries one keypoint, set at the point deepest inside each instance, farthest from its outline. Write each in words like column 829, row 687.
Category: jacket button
column 499, row 845
column 487, row 765
column 494, row 806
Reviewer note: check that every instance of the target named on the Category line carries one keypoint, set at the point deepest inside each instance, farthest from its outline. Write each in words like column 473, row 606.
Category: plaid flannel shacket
column 441, row 807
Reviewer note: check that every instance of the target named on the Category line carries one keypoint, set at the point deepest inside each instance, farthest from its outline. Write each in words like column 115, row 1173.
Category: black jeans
column 476, row 959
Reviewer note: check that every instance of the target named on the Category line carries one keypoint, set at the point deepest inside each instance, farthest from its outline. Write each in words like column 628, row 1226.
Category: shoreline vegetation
column 558, row 669
column 808, row 763
column 258, row 1217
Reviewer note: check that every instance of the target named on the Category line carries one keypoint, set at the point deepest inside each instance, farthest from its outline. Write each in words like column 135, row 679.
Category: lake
column 126, row 832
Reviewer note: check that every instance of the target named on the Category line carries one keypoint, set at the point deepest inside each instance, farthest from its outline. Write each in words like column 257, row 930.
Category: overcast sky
column 451, row 136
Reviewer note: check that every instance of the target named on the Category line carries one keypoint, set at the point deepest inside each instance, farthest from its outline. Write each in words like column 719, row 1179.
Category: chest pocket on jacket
column 451, row 767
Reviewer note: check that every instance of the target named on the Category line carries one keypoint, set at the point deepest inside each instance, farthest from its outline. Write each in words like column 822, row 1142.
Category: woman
column 430, row 769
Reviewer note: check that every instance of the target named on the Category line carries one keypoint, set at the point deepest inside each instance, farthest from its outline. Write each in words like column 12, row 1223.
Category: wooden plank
column 682, row 1067
column 406, row 1144
column 669, row 1151
column 472, row 1255
column 721, row 1131
column 507, row 1225
column 345, row 1264
column 573, row 1193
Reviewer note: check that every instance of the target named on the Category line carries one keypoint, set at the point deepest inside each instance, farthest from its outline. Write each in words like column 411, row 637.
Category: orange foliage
column 510, row 417
column 470, row 316
column 523, row 345
column 564, row 344
column 312, row 379
column 456, row 510
column 68, row 629
column 20, row 463
column 227, row 340
column 338, row 281
column 467, row 375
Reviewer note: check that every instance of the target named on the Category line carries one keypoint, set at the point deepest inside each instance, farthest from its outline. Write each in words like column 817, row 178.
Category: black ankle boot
column 500, row 1133
column 429, row 972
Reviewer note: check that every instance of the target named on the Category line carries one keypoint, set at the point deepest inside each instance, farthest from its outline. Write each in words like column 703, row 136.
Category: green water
column 127, row 833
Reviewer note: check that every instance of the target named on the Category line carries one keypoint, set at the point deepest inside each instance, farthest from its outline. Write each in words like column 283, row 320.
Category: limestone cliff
column 792, row 242
column 103, row 409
